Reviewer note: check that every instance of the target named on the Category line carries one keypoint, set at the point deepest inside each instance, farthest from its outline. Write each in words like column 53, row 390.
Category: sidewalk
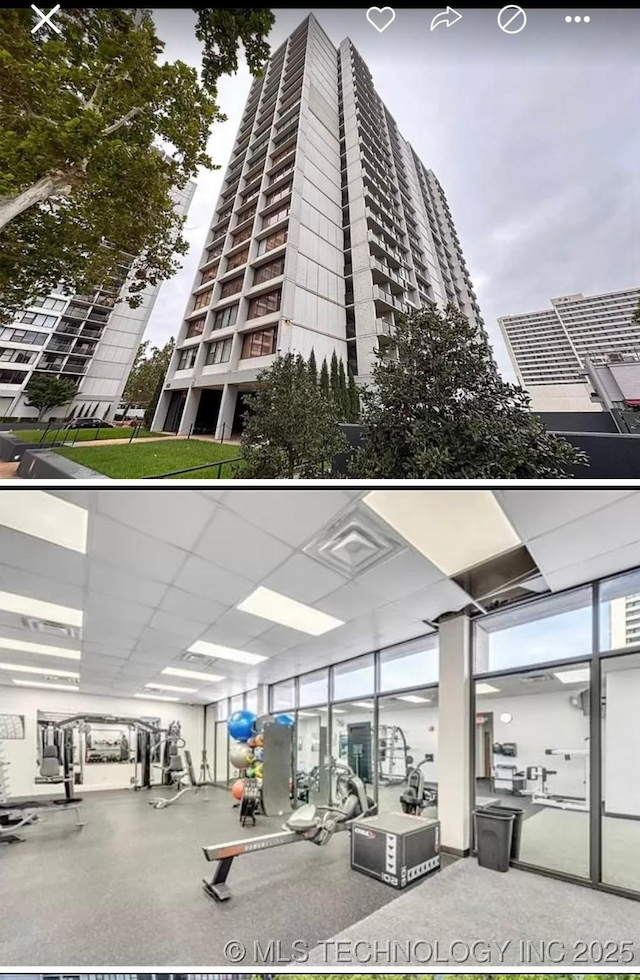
column 9, row 471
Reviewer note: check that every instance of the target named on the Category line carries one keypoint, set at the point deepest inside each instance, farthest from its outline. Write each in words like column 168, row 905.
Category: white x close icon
column 46, row 18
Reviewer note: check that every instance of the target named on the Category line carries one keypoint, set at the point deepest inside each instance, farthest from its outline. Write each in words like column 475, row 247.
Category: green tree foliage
column 354, row 399
column 325, row 389
column 334, row 382
column 82, row 116
column 313, row 367
column 343, row 394
column 290, row 429
column 149, row 367
column 46, row 391
column 441, row 410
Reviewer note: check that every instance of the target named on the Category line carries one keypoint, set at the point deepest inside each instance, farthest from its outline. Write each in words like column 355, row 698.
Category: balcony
column 383, row 249
column 391, row 302
column 397, row 283
column 384, row 328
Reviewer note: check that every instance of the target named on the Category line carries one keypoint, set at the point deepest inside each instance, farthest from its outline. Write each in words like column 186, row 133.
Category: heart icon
column 381, row 17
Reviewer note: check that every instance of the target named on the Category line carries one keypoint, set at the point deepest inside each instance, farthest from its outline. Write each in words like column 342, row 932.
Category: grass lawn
column 132, row 462
column 81, row 435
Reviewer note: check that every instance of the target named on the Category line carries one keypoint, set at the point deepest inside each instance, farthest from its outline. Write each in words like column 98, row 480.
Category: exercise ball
column 237, row 789
column 251, row 742
column 260, row 740
column 240, row 755
column 259, row 754
column 240, row 725
column 257, row 770
column 251, row 773
column 287, row 720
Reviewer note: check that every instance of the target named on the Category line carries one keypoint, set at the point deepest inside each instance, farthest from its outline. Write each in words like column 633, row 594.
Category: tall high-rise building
column 327, row 228
column 91, row 340
column 550, row 349
column 624, row 616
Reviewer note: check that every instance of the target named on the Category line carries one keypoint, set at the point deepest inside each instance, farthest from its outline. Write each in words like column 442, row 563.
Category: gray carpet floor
column 126, row 889
column 466, row 905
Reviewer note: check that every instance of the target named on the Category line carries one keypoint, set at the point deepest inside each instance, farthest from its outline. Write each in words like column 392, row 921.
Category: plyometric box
column 396, row 848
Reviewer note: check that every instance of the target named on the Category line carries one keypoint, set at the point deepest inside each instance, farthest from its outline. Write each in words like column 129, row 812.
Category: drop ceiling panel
column 205, row 580
column 41, row 587
column 194, row 608
column 433, row 600
column 603, row 531
column 111, row 580
column 157, row 641
column 395, row 578
column 349, row 602
column 611, row 563
column 235, row 628
column 179, row 626
column 176, row 517
column 535, row 512
column 279, row 638
column 239, row 547
column 304, row 579
column 136, row 553
column 293, row 518
column 119, row 647
column 29, row 554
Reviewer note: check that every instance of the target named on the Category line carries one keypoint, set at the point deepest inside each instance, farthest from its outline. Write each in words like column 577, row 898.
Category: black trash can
column 516, row 837
column 494, row 833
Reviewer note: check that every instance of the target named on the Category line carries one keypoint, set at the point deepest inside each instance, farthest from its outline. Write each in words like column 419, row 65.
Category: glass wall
column 532, row 753
column 408, row 740
column 409, row 664
column 354, row 678
column 312, row 756
column 283, row 696
column 313, row 688
column 352, row 744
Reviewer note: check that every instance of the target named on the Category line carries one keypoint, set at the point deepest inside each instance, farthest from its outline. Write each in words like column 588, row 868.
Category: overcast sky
column 534, row 137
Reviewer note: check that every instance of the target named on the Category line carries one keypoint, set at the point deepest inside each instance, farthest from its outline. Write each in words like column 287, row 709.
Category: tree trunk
column 46, row 187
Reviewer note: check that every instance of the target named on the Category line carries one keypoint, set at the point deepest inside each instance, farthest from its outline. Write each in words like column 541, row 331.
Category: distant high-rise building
column 550, row 349
column 624, row 622
column 328, row 226
column 91, row 340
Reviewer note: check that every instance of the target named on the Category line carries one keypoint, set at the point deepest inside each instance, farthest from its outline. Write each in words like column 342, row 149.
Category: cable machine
column 394, row 760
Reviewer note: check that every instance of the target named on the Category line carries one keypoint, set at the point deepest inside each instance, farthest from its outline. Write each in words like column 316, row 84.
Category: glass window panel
column 312, row 758
column 237, row 702
column 353, row 678
column 532, row 752
column 620, row 612
column 252, row 701
column 283, row 695
column 222, row 710
column 620, row 782
column 409, row 664
column 408, row 742
column 313, row 688
column 352, row 743
column 549, row 629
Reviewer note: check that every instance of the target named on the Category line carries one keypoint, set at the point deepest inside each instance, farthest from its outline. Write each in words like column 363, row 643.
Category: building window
column 38, row 319
column 210, row 274
column 282, row 695
column 272, row 241
column 12, row 377
column 187, row 359
column 219, row 352
column 262, row 305
column 280, row 156
column 272, row 219
column 225, row 318
column 282, row 172
column 269, row 271
column 17, row 356
column 409, row 664
column 353, row 678
column 49, row 303
column 234, row 261
column 203, row 299
column 313, row 688
column 243, row 236
column 278, row 195
column 231, row 288
column 196, row 327
column 214, row 253
column 260, row 343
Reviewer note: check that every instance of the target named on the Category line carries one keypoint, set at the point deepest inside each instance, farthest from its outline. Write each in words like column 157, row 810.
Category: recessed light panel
column 226, row 653
column 278, row 608
column 155, row 697
column 51, row 687
column 42, row 515
column 580, row 676
column 24, row 606
column 21, row 669
column 22, row 646
column 192, row 674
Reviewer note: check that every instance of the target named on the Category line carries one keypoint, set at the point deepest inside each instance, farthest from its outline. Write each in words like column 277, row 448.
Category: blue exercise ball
column 241, row 725
column 287, row 720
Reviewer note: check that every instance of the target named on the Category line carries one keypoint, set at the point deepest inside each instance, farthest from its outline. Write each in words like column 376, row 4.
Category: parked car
column 89, row 424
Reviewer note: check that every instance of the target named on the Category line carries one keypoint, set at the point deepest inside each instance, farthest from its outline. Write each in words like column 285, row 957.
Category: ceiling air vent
column 352, row 544
column 54, row 679
column 51, row 628
column 535, row 678
column 200, row 659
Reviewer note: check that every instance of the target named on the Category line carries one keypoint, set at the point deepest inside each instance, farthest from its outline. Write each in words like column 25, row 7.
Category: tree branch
column 121, row 122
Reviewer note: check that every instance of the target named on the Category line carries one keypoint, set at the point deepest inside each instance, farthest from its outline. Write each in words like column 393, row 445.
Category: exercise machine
column 177, row 771
column 250, row 804
column 315, row 824
column 540, row 774
column 418, row 794
column 394, row 761
column 15, row 814
column 508, row 779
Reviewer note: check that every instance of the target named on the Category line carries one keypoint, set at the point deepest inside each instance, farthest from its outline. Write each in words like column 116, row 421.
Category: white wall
column 22, row 754
column 544, row 721
column 622, row 742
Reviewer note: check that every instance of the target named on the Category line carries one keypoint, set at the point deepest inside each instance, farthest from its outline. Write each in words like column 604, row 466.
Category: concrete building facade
column 327, row 228
column 550, row 349
column 91, row 340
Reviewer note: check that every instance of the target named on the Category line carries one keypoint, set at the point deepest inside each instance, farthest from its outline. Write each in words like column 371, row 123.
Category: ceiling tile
column 434, row 600
column 534, row 512
column 402, row 574
column 620, row 560
column 151, row 641
column 201, row 578
column 293, row 516
column 30, row 554
column 42, row 587
column 193, row 607
column 238, row 547
column 282, row 638
column 183, row 628
column 348, row 602
column 235, row 628
column 112, row 581
column 584, row 539
column 303, row 579
column 134, row 552
column 177, row 517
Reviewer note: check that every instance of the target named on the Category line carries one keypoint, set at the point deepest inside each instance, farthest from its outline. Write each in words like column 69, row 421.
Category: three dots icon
column 577, row 20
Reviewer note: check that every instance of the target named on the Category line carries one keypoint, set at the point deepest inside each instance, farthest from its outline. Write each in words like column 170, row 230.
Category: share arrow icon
column 446, row 17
